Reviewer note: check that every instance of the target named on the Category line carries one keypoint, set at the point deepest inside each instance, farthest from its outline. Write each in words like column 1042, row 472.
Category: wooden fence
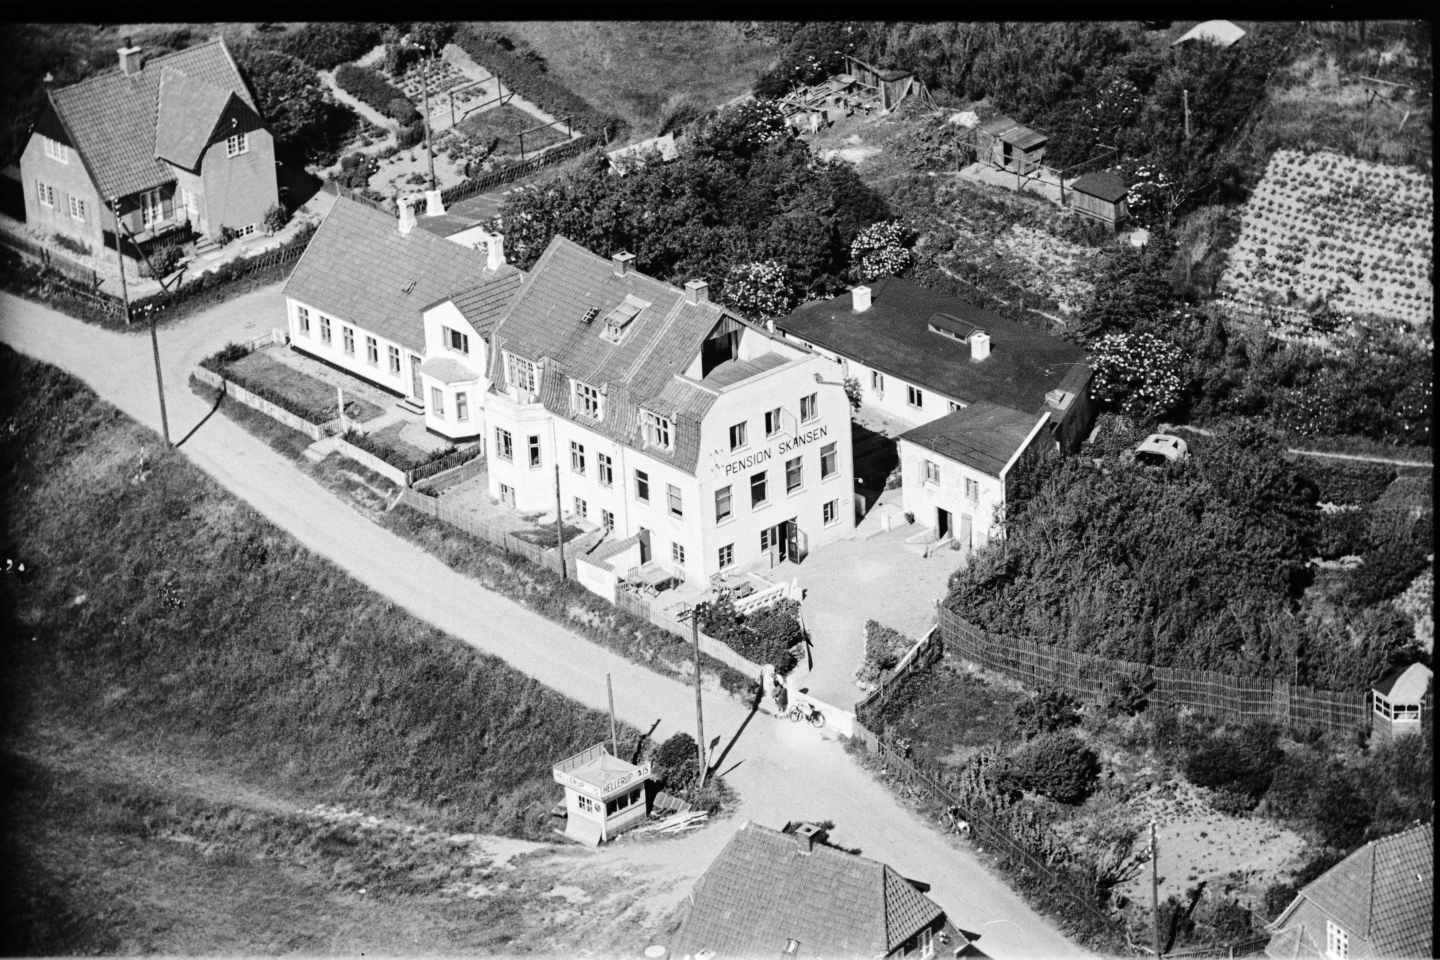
column 1094, row 678
column 919, row 657
column 53, row 261
column 509, row 174
column 549, row 558
column 236, row 392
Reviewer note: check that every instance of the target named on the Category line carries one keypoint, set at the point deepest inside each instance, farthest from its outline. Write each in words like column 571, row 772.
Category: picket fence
column 238, row 393
column 919, row 657
column 511, row 173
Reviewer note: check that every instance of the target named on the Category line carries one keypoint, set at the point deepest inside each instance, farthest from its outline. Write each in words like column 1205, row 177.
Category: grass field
column 184, row 686
column 503, row 126
column 641, row 69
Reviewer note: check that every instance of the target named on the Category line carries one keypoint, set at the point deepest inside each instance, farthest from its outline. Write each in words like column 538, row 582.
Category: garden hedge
column 325, row 46
column 370, row 87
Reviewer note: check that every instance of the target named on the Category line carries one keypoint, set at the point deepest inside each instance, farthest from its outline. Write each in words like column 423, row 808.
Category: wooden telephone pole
column 699, row 711
column 559, row 523
column 610, row 693
column 125, row 297
column 429, row 153
column 1185, row 102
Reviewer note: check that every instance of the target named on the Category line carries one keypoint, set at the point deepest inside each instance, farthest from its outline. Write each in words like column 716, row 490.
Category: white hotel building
column 660, row 415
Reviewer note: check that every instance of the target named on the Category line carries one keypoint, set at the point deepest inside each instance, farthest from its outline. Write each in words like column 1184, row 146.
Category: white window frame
column 877, row 383
column 45, row 193
column 642, row 483
column 586, row 400
column 605, row 468
column 504, row 444
column 772, row 422
column 302, row 320
column 532, row 448
column 926, row 943
column 799, row 475
column 659, row 431
column 724, row 493
column 456, row 341
column 347, row 339
column 462, row 407
column 607, row 519
column 152, row 208
column 437, row 402
column 394, row 354
column 738, row 430
column 830, row 512
column 809, row 407
column 577, row 457
column 372, row 351
column 932, row 472
column 725, row 556
column 830, row 452
column 326, row 334
column 582, row 509
column 677, row 553
column 674, row 500
column 1337, row 941
column 972, row 490
column 237, row 143
column 77, row 208
column 764, row 477
column 955, row 406
column 914, row 397
column 56, row 150
column 521, row 374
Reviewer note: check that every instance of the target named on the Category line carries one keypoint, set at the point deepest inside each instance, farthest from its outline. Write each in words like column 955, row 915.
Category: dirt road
column 781, row 770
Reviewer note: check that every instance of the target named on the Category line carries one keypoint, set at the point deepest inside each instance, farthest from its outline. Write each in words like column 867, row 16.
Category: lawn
column 642, row 70
column 309, row 392
column 503, row 125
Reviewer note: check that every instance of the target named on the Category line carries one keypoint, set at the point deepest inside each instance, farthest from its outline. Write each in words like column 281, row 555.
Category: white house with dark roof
column 402, row 308
column 662, row 416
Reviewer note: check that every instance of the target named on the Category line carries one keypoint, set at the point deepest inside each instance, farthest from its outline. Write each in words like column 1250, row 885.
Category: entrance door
column 644, row 545
column 795, row 541
column 942, row 523
column 417, row 389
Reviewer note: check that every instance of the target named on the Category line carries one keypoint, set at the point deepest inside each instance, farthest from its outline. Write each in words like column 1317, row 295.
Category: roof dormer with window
column 658, row 431
column 586, row 400
column 619, row 321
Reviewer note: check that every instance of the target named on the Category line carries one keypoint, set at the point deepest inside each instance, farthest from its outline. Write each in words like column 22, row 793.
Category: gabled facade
column 171, row 142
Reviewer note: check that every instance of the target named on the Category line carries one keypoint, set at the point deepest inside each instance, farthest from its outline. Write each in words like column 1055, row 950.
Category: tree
column 295, row 106
column 881, row 250
column 1048, row 711
column 1136, row 373
column 1055, row 765
column 760, row 290
column 676, row 762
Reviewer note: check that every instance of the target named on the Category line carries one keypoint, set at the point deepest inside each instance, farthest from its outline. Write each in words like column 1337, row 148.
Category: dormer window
column 521, row 374
column 618, row 321
column 455, row 340
column 658, row 430
column 586, row 400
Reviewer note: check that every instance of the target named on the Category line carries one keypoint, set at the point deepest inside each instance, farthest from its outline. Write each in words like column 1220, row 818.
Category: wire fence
column 549, row 558
column 52, row 261
column 920, row 657
column 509, row 174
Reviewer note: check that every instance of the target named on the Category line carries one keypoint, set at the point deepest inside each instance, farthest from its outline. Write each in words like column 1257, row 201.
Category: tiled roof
column 983, row 435
column 445, row 224
column 187, row 114
column 483, row 304
column 893, row 337
column 546, row 321
column 359, row 269
column 1382, row 893
column 111, row 117
column 764, row 889
column 1106, row 184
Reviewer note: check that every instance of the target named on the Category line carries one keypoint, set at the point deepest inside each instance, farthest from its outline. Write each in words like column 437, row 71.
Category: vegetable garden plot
column 1328, row 229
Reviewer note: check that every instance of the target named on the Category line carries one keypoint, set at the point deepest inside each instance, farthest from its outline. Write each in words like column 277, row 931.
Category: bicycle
column 807, row 711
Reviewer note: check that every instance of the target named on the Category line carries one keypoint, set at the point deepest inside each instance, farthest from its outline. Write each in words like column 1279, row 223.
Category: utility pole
column 610, row 693
column 559, row 524
column 154, row 337
column 120, row 259
column 1154, row 895
column 1185, row 102
column 699, row 711
column 429, row 153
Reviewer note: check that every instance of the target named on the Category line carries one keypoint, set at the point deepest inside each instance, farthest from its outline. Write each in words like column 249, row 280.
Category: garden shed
column 1398, row 701
column 1003, row 143
column 1100, row 195
column 892, row 86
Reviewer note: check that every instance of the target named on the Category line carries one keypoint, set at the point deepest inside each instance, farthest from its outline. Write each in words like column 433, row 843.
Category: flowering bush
column 1418, row 603
column 759, row 290
column 1136, row 373
column 881, row 250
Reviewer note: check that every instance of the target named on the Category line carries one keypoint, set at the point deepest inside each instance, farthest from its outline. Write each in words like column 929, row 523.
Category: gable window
column 372, row 350
column 534, row 445
column 348, row 335
column 77, row 209
column 737, row 436
column 236, row 144
column 577, row 457
column 605, row 467
column 793, row 478
column 455, row 340
column 914, row 397
column 394, row 353
column 932, row 471
column 830, row 512
column 677, row 553
column 772, row 422
column 658, row 430
column 808, row 408
column 877, row 382
column 45, row 193
column 302, row 321
column 504, row 444
column 642, row 486
column 722, row 504
column 56, row 150
column 726, row 555
column 827, row 461
column 1337, row 941
column 955, row 406
column 586, row 400
column 757, row 489
column 324, row 329
column 972, row 489
column 462, row 407
column 522, row 374
column 677, row 507
column 437, row 402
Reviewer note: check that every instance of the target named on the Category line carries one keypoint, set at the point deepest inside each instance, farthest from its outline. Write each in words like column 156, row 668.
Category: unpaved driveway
column 782, row 771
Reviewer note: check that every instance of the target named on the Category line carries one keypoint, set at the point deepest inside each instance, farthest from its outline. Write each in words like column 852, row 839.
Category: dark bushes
column 370, row 87
column 1243, row 762
column 676, row 762
column 765, row 636
column 327, row 45
column 1055, row 765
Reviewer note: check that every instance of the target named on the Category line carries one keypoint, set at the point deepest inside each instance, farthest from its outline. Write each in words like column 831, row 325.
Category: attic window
column 792, row 947
column 590, row 315
column 617, row 321
column 409, row 285
column 952, row 327
column 659, row 431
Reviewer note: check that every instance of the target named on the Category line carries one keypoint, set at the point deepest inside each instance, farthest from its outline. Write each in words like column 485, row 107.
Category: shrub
column 1056, row 765
column 411, row 135
column 276, row 218
column 356, row 170
column 1340, row 481
column 326, row 45
column 760, row 290
column 68, row 242
column 765, row 636
column 227, row 234
column 1277, row 897
column 1342, row 533
column 369, row 87
column 1136, row 373
column 226, row 354
column 1243, row 761
column 1047, row 712
column 1338, row 809
column 884, row 646
column 853, row 392
column 881, row 250
column 162, row 259
column 1388, row 570
column 675, row 762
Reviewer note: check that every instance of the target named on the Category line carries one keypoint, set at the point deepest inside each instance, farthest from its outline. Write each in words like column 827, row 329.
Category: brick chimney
column 860, row 299
column 434, row 206
column 807, row 835
column 697, row 291
column 407, row 216
column 129, row 58
column 623, row 263
column 979, row 345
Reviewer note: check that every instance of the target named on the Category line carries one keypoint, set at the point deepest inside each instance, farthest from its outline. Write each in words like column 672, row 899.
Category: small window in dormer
column 658, row 430
column 586, row 400
column 618, row 321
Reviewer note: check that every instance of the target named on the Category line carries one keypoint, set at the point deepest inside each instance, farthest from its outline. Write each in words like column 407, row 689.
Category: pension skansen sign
column 741, row 464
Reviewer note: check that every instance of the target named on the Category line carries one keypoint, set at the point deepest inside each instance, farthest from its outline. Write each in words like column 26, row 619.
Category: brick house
column 174, row 141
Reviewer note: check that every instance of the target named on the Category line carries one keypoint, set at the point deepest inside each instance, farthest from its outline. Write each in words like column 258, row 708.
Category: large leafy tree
column 294, row 104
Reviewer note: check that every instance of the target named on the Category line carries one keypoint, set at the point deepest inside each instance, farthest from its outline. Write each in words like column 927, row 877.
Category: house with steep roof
column 654, row 412
column 1377, row 902
column 788, row 893
column 172, row 142
column 403, row 308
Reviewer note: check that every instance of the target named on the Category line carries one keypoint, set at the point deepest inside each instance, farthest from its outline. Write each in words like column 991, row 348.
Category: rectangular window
column 607, row 519
column 504, row 445
column 972, row 490
column 462, row 407
column 722, row 504
column 606, row 468
column 586, row 400
column 642, row 486
column 677, row 553
column 152, row 209
column 45, row 193
column 757, row 488
column 581, row 508
column 77, row 209
column 437, row 402
column 236, row 144
column 737, row 436
column 348, row 335
column 248, row 230
column 522, row 375
column 914, row 397
column 577, row 457
column 793, row 478
column 954, row 406
column 766, row 541
column 877, row 382
column 932, row 471
column 726, row 556
column 534, row 444
column 455, row 340
column 672, row 494
column 827, row 460
column 1337, row 941
column 830, row 512
column 809, row 409
column 372, row 351
column 657, row 430
column 394, row 360
column 302, row 321
column 324, row 329
column 772, row 422
column 56, row 150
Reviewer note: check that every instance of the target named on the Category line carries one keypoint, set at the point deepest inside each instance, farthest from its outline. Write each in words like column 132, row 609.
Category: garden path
column 358, row 105
column 781, row 771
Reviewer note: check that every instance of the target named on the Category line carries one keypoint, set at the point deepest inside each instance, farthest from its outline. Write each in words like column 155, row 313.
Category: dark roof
column 1382, row 893
column 1406, row 684
column 983, row 435
column 1106, row 185
column 484, row 303
column 112, row 118
column 893, row 336
column 1022, row 137
column 765, row 889
column 359, row 269
column 546, row 321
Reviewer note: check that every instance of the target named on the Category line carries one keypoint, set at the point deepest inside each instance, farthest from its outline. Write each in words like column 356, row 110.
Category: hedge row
column 526, row 76
column 325, row 46
column 396, row 458
column 218, row 363
column 369, row 86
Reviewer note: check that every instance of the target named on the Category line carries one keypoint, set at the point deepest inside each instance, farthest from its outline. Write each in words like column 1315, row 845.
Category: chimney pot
column 129, row 58
column 860, row 299
column 979, row 345
column 697, row 291
column 407, row 216
column 434, row 206
column 495, row 251
column 622, row 263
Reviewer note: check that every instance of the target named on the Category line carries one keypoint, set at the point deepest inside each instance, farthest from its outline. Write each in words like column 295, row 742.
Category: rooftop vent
column 617, row 321
column 590, row 315
column 622, row 263
column 407, row 216
column 434, row 206
column 409, row 285
column 806, row 834
column 860, row 299
column 951, row 326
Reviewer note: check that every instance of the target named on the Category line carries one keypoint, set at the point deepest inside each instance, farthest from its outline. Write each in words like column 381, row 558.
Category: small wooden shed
column 1100, row 195
column 893, row 86
column 1003, row 143
column 1398, row 701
